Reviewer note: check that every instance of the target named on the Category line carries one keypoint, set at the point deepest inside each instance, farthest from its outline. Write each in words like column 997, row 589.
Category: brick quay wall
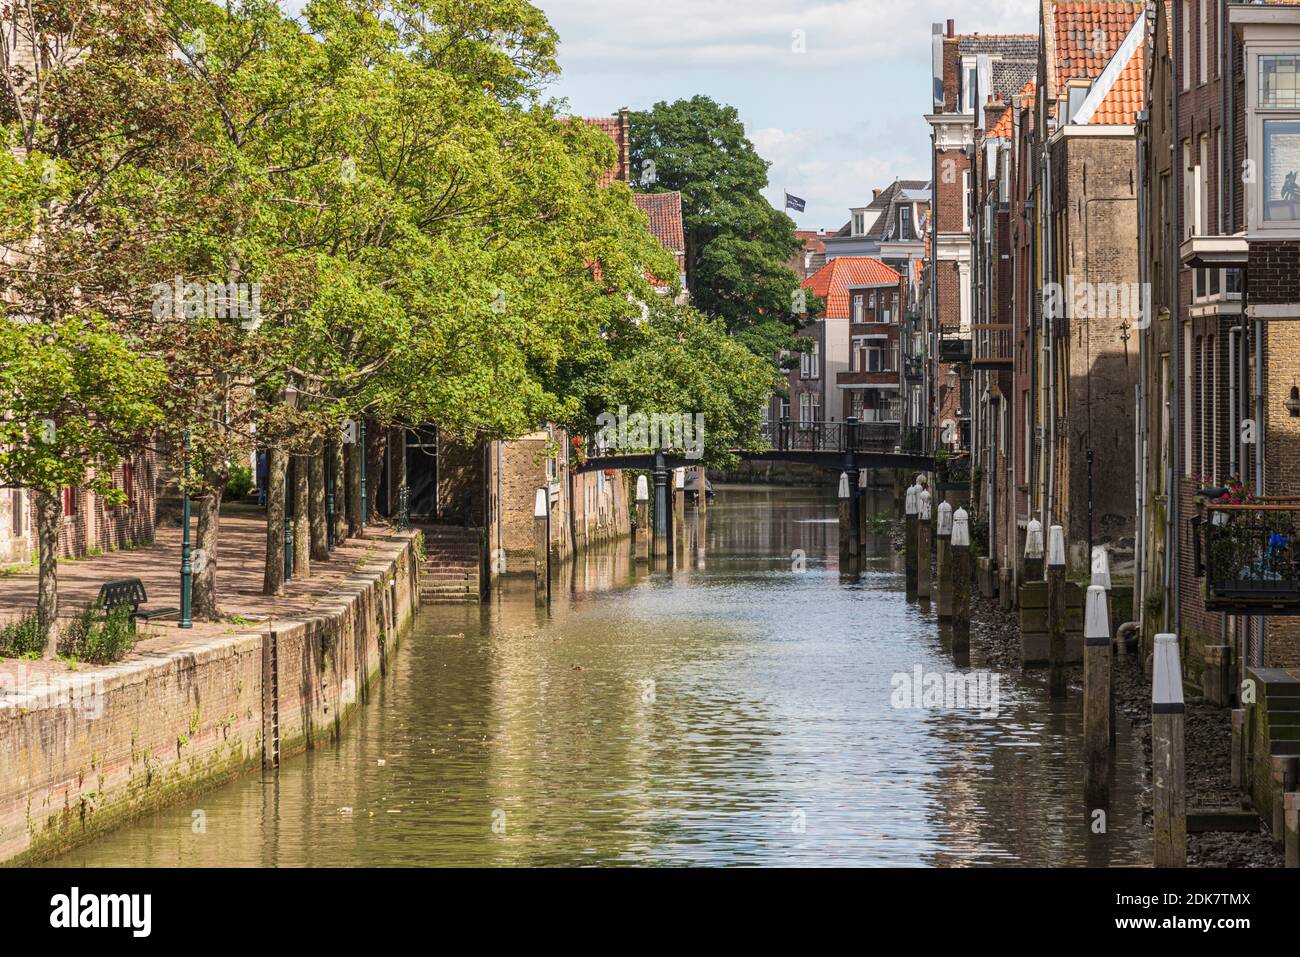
column 84, row 751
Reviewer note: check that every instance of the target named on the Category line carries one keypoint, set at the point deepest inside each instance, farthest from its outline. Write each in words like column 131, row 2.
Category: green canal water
column 736, row 711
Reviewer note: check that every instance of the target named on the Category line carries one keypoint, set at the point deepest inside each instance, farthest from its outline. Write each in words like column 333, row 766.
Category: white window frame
column 1205, row 41
column 1255, row 119
column 1187, row 44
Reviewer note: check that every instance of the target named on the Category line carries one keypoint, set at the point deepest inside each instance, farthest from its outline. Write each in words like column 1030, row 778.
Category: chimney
column 875, row 195
column 624, row 146
column 993, row 111
column 952, row 29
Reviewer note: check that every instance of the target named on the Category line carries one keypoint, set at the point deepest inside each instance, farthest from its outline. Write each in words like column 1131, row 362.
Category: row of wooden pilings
column 949, row 582
column 654, row 545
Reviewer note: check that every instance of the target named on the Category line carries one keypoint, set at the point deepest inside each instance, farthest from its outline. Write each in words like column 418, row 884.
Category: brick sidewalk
column 242, row 551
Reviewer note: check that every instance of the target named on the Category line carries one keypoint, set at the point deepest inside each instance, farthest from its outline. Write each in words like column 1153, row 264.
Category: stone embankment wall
column 84, row 752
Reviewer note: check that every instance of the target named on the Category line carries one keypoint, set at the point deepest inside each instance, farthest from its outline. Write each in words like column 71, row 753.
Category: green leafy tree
column 737, row 245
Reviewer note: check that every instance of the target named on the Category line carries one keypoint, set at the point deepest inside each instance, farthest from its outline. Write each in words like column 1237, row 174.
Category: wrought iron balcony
column 954, row 345
column 1250, row 558
column 788, row 435
column 992, row 346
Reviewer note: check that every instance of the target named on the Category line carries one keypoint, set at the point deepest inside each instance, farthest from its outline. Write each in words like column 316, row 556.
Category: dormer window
column 905, row 231
column 859, row 223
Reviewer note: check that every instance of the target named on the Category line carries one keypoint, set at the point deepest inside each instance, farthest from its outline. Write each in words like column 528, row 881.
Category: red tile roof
column 1086, row 36
column 813, row 242
column 613, row 128
column 1123, row 102
column 665, row 212
column 1002, row 128
column 833, row 281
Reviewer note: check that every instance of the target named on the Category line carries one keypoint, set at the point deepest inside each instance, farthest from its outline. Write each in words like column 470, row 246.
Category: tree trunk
column 301, row 517
column 48, row 512
column 204, row 591
column 338, row 476
column 316, row 480
column 273, row 580
column 354, row 489
column 376, row 450
column 401, row 505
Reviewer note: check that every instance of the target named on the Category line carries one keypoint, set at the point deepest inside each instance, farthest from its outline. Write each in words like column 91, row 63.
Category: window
column 1281, row 167
column 965, row 200
column 1203, row 188
column 1187, row 44
column 807, row 409
column 1214, row 409
column 1278, row 86
column 1202, row 405
column 69, row 496
column 1189, row 191
column 128, row 484
column 16, row 515
column 1188, row 395
column 905, row 224
column 1165, row 418
column 1278, row 135
column 1204, row 41
column 859, row 312
column 807, row 261
column 859, row 223
column 814, row 368
column 785, row 408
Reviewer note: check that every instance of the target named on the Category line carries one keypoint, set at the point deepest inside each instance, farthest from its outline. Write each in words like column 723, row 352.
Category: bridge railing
column 786, row 435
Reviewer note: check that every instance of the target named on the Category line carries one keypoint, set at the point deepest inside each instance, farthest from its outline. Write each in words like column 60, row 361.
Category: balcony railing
column 992, row 346
column 789, row 435
column 1250, row 558
column 954, row 471
column 954, row 345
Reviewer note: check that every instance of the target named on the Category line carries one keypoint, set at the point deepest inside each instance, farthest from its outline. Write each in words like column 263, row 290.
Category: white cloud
column 761, row 33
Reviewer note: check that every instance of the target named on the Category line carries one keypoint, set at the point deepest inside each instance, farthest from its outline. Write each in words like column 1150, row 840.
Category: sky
column 844, row 115
column 832, row 94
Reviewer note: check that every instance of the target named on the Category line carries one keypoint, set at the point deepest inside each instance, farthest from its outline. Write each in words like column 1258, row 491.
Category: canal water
column 743, row 709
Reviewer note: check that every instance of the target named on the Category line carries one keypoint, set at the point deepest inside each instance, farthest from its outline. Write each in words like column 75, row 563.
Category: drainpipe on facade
column 1049, row 339
column 1144, row 348
column 1173, row 540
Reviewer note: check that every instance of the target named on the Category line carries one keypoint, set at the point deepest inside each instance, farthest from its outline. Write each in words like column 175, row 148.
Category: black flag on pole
column 794, row 202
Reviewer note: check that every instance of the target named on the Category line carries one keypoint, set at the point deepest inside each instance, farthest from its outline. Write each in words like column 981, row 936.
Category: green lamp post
column 187, row 569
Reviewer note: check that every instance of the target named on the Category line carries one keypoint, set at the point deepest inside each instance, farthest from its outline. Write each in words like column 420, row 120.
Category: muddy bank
column 996, row 635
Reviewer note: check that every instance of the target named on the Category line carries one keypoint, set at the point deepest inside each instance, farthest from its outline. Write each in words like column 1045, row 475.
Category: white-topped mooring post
column 1056, row 677
column 943, row 560
column 542, row 546
column 1096, row 695
column 643, row 533
column 679, row 509
column 911, row 512
column 845, row 551
column 1168, row 773
column 961, row 577
column 1034, row 551
column 923, row 531
column 1101, row 578
column 863, row 489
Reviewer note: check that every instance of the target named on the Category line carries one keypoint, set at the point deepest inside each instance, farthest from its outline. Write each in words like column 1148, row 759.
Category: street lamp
column 187, row 569
column 290, row 400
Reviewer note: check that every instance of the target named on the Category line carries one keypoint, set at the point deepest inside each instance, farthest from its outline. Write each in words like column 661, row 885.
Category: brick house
column 1221, row 357
column 493, row 485
column 853, row 368
column 87, row 524
column 967, row 70
column 1090, row 89
column 812, row 256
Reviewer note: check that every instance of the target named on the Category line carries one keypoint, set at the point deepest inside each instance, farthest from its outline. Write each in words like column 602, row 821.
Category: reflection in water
column 735, row 709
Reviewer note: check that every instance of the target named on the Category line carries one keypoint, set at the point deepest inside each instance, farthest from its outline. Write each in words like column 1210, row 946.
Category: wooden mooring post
column 923, row 532
column 1056, row 676
column 679, row 512
column 1096, row 697
column 662, row 518
column 864, row 490
column 961, row 579
column 1285, row 778
column 943, row 561
column 1168, row 772
column 1291, row 814
column 643, row 535
column 845, row 531
column 911, row 510
column 1034, row 551
column 542, row 546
